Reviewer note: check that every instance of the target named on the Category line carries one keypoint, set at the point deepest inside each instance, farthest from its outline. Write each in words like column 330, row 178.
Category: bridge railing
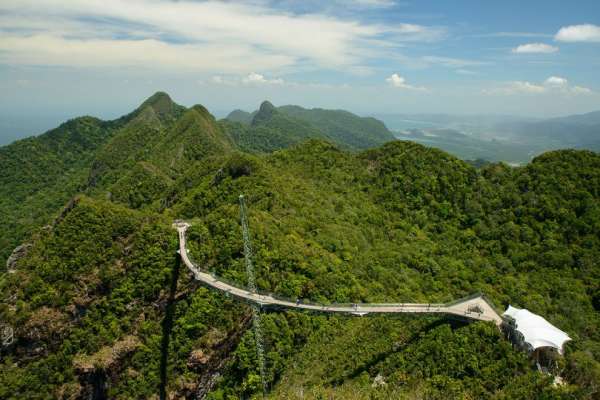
column 301, row 301
column 242, row 286
column 424, row 306
column 463, row 299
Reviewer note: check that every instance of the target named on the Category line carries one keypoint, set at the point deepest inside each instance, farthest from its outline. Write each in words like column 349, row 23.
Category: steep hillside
column 157, row 156
column 101, row 307
column 38, row 176
column 241, row 116
column 132, row 159
column 344, row 127
column 290, row 124
column 271, row 130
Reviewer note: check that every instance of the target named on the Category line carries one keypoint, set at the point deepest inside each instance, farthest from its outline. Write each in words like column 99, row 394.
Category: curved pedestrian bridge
column 474, row 307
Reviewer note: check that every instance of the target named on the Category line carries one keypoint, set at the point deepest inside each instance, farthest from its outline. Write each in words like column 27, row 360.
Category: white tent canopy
column 536, row 331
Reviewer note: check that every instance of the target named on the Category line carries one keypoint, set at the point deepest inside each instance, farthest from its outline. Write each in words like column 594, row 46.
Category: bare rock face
column 6, row 335
column 44, row 324
column 197, row 358
column 18, row 253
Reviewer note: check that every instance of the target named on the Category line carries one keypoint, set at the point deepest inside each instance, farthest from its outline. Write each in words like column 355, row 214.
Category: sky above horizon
column 60, row 58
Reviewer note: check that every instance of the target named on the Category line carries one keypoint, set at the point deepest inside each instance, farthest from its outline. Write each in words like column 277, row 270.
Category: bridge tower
column 260, row 352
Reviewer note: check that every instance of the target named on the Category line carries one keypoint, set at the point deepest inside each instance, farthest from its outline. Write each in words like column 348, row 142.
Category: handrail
column 462, row 307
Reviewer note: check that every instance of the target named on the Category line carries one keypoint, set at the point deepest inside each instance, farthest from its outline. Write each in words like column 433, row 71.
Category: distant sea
column 14, row 127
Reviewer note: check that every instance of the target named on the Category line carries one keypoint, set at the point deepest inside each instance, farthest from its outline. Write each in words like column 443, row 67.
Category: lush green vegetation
column 271, row 128
column 343, row 127
column 468, row 147
column 39, row 175
column 99, row 298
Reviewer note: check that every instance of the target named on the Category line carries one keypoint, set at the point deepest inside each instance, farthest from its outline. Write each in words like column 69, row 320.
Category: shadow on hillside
column 378, row 358
column 167, row 326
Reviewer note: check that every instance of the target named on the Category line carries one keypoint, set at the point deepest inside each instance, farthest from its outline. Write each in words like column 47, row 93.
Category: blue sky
column 62, row 58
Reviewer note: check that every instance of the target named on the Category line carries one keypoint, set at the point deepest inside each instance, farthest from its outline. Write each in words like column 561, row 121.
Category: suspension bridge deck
column 475, row 307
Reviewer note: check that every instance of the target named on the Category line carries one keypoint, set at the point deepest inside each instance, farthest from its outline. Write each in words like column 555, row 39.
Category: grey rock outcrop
column 18, row 253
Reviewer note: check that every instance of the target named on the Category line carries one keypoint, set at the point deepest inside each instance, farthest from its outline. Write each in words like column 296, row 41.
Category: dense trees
column 401, row 222
column 271, row 128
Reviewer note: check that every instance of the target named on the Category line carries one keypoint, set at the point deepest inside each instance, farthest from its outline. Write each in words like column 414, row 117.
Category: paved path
column 475, row 307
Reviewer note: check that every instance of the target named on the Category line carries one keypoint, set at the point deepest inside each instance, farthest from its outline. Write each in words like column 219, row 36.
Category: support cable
column 260, row 352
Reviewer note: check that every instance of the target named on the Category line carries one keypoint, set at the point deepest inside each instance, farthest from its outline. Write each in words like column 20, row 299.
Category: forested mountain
column 241, row 116
column 341, row 127
column 270, row 129
column 38, row 175
column 100, row 306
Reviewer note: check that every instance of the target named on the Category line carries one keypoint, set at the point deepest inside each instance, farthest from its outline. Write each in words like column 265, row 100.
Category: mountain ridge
column 339, row 126
column 99, row 303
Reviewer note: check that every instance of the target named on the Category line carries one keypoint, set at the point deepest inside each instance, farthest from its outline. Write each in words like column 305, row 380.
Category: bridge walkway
column 475, row 307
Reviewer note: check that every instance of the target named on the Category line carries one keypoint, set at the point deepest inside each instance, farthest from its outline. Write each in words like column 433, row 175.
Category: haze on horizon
column 60, row 59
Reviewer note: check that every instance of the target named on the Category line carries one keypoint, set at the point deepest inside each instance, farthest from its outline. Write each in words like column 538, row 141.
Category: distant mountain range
column 575, row 131
column 498, row 138
column 277, row 126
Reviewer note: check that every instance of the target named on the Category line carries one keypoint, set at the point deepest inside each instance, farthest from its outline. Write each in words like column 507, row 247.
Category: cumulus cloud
column 525, row 87
column 208, row 35
column 253, row 78
column 578, row 33
column 258, row 79
column 556, row 81
column 553, row 84
column 398, row 81
column 581, row 90
column 535, row 48
column 221, row 80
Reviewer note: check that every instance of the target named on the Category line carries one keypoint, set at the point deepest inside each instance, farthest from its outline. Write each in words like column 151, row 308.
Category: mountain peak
column 265, row 112
column 162, row 104
column 241, row 116
column 266, row 106
column 158, row 100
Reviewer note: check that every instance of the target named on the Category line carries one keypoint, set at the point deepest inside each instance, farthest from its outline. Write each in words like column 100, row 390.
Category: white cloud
column 535, row 48
column 412, row 32
column 462, row 71
column 398, row 81
column 556, row 81
column 220, row 80
column 258, row 79
column 526, row 87
column 581, row 90
column 452, row 62
column 148, row 53
column 208, row 35
column 374, row 3
column 578, row 33
column 552, row 85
